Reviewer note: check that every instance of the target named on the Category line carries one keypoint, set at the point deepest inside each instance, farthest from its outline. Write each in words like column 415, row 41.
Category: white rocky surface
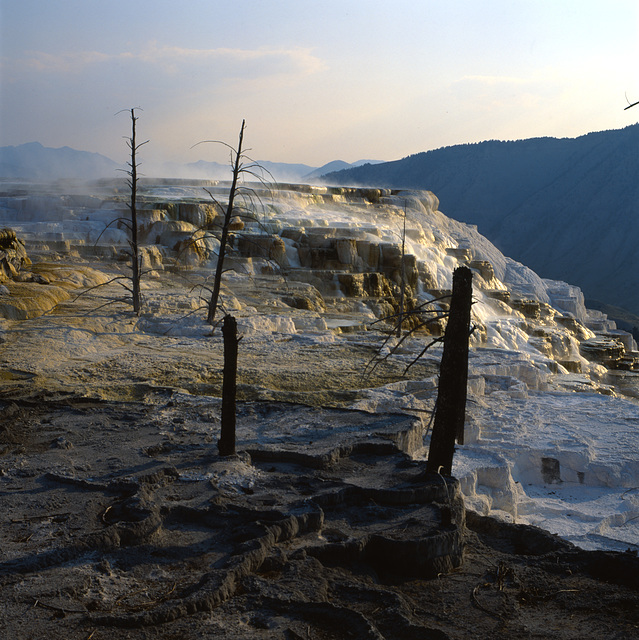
column 543, row 445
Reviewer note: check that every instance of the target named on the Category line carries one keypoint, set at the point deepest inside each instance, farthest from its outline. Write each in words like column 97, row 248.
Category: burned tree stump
column 450, row 410
column 226, row 443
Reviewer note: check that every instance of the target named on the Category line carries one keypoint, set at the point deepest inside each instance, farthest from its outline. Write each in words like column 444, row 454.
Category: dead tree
column 133, row 242
column 241, row 204
column 450, row 410
column 130, row 283
column 210, row 318
column 226, row 443
column 421, row 317
column 402, row 293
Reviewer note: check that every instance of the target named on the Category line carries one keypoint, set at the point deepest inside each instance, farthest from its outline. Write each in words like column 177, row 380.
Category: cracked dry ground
column 120, row 521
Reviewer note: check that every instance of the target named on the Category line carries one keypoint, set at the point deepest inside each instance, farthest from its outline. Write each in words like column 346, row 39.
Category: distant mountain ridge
column 32, row 161
column 568, row 208
column 208, row 170
column 335, row 165
column 278, row 171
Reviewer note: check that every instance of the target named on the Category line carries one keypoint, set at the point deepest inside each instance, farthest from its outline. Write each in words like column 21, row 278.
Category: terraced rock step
column 218, row 528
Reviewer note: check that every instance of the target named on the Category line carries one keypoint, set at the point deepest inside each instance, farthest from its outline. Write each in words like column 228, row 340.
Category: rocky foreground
column 121, row 520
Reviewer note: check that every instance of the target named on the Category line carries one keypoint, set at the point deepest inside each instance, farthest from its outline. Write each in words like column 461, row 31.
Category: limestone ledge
column 49, row 285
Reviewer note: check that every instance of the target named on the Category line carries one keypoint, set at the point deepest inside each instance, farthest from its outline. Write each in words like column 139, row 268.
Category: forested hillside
column 568, row 208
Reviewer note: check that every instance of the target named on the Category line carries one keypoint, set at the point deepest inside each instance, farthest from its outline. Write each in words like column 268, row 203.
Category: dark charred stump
column 226, row 443
column 453, row 377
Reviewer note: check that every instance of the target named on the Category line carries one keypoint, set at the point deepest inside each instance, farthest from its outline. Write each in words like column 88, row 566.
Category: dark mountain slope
column 568, row 208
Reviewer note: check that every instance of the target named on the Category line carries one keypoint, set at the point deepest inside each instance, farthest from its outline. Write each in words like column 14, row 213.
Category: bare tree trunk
column 453, row 378
column 226, row 443
column 402, row 293
column 135, row 253
column 225, row 230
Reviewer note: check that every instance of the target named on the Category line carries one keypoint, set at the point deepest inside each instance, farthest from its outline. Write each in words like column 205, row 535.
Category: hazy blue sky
column 316, row 81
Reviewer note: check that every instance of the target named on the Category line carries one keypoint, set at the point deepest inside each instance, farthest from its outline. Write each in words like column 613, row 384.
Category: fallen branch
column 53, row 607
column 41, row 517
column 480, row 606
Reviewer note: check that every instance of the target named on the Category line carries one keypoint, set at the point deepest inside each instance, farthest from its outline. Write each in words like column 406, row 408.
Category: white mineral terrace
column 550, row 441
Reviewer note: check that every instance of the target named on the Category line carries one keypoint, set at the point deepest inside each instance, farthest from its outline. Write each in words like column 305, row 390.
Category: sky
column 315, row 81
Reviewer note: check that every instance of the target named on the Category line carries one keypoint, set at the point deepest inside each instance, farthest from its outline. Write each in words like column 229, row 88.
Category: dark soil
column 121, row 521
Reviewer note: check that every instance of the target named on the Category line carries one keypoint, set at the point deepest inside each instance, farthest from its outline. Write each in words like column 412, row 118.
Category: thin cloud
column 298, row 59
column 487, row 92
column 492, row 80
column 66, row 63
column 172, row 60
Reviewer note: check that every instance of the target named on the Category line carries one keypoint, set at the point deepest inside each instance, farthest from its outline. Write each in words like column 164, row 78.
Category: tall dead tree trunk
column 450, row 410
column 133, row 242
column 226, row 443
column 402, row 292
column 237, row 169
